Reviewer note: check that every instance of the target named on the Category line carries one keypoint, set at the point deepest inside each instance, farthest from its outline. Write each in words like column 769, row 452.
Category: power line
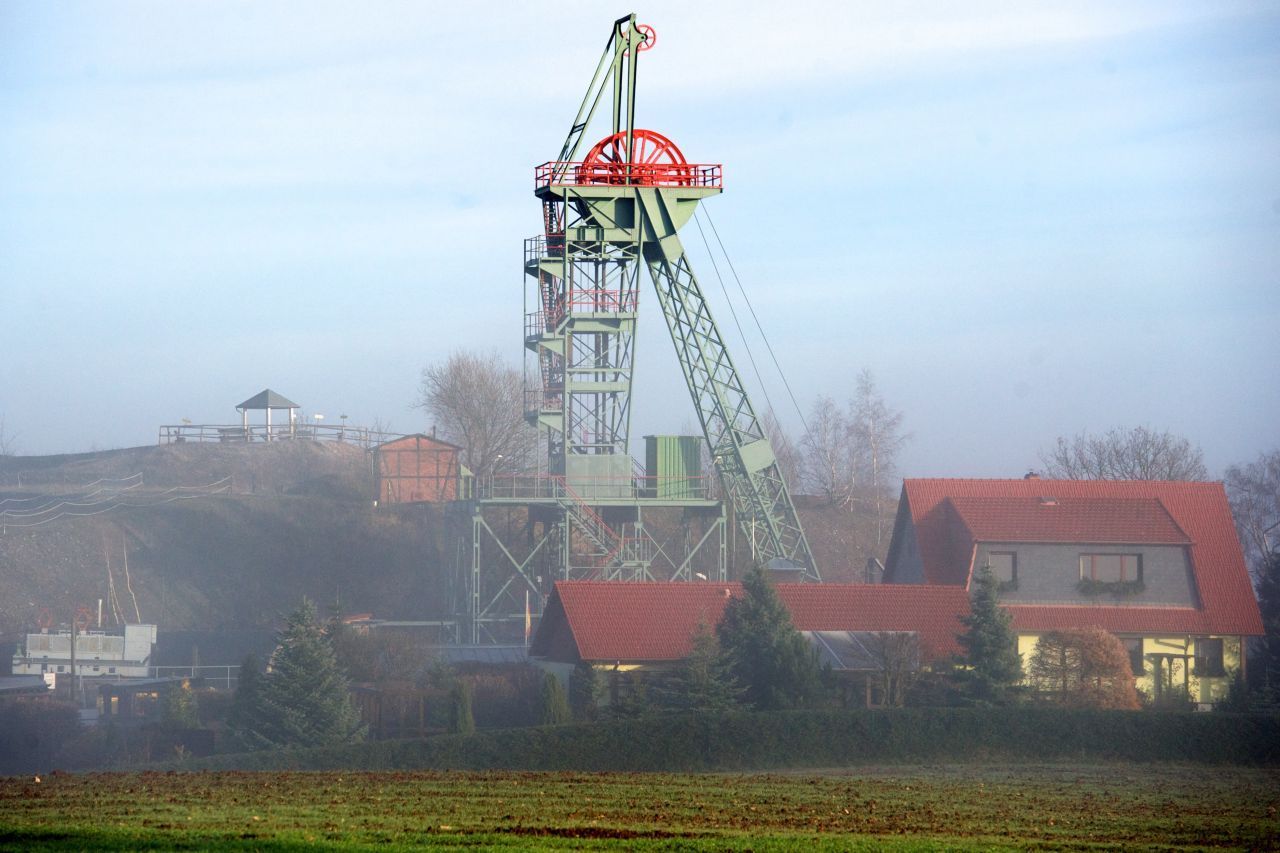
column 751, row 308
column 732, row 311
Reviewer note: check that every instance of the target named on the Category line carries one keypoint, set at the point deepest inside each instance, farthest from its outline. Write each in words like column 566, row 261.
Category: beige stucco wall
column 1203, row 689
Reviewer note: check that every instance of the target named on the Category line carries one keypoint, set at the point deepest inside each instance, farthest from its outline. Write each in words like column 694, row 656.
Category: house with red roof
column 624, row 627
column 1156, row 563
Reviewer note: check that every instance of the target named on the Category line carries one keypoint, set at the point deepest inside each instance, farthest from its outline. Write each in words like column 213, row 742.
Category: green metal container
column 673, row 467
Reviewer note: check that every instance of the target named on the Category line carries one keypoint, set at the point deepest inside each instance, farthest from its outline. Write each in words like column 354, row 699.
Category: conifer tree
column 991, row 647
column 704, row 681
column 584, row 692
column 775, row 665
column 245, row 718
column 304, row 701
column 461, row 719
column 555, row 704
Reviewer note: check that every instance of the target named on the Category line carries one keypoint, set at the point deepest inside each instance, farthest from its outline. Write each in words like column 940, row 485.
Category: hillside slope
column 297, row 521
column 292, row 519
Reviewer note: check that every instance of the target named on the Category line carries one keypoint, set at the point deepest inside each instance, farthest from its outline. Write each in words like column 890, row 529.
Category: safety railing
column 538, row 323
column 553, row 486
column 240, row 434
column 225, row 677
column 609, row 301
column 561, row 173
column 543, row 401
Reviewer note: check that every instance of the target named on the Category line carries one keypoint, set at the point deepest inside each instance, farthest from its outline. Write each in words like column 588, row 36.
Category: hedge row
column 762, row 741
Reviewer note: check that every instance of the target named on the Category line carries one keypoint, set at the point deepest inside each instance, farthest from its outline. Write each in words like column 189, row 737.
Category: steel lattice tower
column 605, row 216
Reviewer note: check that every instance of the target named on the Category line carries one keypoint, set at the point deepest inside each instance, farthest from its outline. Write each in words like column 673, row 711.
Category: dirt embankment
column 296, row 518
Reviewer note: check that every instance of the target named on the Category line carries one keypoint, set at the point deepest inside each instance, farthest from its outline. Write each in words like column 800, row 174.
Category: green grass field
column 962, row 807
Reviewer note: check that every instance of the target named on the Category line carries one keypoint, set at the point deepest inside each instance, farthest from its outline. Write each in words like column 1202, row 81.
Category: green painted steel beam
column 741, row 451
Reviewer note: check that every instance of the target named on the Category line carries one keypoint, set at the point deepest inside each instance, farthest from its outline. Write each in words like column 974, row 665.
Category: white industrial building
column 121, row 652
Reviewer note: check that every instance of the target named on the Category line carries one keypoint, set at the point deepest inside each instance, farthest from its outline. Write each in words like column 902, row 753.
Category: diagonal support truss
column 741, row 451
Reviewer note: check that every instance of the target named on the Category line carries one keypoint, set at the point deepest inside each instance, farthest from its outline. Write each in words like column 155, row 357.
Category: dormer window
column 1004, row 565
column 1111, row 568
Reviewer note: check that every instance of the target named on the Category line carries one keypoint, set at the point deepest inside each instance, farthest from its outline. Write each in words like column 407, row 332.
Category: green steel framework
column 603, row 219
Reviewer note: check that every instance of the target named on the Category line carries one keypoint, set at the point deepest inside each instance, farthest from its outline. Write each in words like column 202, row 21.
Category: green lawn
column 966, row 807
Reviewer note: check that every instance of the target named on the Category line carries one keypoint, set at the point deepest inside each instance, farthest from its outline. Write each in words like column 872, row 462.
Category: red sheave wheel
column 655, row 161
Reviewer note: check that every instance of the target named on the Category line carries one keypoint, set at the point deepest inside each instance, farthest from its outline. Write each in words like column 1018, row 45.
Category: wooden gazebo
column 267, row 400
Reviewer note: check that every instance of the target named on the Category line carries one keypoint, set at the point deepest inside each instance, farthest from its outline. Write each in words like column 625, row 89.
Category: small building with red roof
column 420, row 469
column 1158, row 564
column 620, row 627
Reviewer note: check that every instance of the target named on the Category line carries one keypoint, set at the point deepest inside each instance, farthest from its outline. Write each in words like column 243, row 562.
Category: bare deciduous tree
column 1254, row 492
column 850, row 456
column 477, row 401
column 830, row 463
column 897, row 654
column 1140, row 453
column 877, row 438
column 8, row 442
column 847, row 461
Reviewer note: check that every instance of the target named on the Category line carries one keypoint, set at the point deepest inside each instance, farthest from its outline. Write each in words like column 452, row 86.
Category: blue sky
column 1025, row 219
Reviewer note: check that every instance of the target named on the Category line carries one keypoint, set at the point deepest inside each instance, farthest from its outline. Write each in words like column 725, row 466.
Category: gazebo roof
column 267, row 399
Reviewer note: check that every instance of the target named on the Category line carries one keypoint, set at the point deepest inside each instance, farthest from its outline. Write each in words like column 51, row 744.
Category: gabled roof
column 1048, row 518
column 416, row 439
column 616, row 621
column 949, row 517
column 267, row 399
column 605, row 621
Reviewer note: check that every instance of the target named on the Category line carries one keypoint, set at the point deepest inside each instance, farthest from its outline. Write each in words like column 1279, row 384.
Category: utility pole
column 75, row 695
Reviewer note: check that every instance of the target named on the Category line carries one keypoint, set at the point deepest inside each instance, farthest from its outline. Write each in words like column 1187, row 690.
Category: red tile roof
column 1068, row 519
column 1030, row 618
column 932, row 611
column 643, row 622
column 616, row 621
column 945, row 514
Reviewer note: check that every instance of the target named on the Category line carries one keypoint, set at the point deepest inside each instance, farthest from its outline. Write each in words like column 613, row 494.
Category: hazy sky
column 1026, row 219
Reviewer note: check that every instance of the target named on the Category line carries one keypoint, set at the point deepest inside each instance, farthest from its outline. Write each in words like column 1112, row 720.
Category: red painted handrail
column 583, row 174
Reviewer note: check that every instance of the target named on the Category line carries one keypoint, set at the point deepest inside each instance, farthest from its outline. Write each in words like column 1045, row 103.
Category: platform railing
column 225, row 677
column 601, row 301
column 553, row 487
column 240, row 434
column 578, row 173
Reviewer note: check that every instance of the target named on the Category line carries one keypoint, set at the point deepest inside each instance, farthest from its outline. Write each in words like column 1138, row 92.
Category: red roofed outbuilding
column 608, row 622
column 420, row 469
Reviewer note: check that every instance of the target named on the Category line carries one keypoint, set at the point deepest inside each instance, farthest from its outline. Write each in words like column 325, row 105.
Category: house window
column 1137, row 663
column 1209, row 657
column 1004, row 565
column 1110, row 568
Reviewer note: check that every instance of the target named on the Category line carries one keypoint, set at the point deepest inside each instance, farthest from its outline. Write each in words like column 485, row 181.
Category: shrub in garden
column 461, row 720
column 555, row 704
column 1084, row 668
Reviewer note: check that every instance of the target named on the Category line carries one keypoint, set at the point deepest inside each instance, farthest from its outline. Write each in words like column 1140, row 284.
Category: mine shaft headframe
column 616, row 72
column 643, row 171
